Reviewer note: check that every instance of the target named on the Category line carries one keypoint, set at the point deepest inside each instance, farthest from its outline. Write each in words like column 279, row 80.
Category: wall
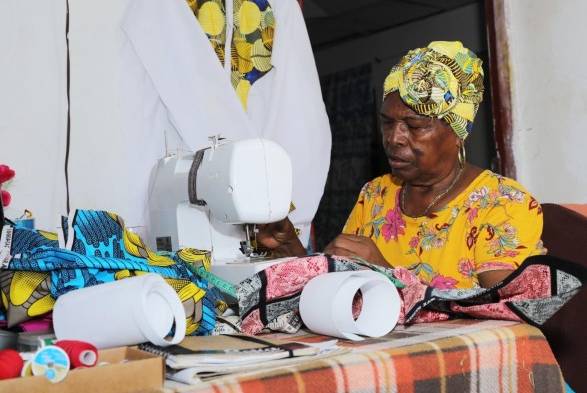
column 549, row 97
column 384, row 49
column 33, row 105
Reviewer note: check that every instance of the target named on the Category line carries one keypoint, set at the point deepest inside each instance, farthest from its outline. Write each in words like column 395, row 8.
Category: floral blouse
column 494, row 224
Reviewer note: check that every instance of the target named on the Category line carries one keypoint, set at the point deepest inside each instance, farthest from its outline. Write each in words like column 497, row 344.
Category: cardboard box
column 130, row 371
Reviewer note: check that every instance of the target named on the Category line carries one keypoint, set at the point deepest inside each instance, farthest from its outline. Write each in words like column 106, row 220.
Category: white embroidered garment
column 145, row 80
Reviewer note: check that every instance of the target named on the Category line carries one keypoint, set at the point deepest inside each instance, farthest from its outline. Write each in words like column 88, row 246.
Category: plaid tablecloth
column 454, row 356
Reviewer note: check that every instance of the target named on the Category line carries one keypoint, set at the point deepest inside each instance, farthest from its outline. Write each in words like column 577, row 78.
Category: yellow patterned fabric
column 211, row 15
column 494, row 224
column 443, row 80
column 252, row 38
column 25, row 294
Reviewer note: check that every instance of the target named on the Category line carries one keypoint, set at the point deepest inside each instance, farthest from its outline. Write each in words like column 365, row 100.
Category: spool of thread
column 51, row 362
column 80, row 353
column 27, row 370
column 10, row 364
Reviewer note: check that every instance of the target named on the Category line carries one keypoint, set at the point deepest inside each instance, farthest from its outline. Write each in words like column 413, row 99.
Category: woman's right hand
column 280, row 237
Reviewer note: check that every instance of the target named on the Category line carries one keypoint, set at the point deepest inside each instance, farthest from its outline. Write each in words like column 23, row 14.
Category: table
column 453, row 356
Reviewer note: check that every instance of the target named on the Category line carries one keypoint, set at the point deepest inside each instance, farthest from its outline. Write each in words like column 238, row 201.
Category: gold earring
column 462, row 155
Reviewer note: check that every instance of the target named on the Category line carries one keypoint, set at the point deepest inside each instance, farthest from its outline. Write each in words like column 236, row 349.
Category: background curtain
column 357, row 155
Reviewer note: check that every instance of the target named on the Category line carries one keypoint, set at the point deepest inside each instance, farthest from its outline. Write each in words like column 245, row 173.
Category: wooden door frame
column 499, row 78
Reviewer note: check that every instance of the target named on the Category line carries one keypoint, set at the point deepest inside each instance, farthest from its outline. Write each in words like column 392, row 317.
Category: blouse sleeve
column 509, row 234
column 355, row 221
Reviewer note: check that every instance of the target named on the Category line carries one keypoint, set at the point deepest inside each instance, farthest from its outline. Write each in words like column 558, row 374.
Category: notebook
column 213, row 371
column 227, row 352
column 194, row 375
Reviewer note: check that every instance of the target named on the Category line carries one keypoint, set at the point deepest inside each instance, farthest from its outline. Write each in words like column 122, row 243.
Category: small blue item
column 28, row 223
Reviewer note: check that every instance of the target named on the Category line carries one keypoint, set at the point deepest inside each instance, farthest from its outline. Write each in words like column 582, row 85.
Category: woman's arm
column 493, row 277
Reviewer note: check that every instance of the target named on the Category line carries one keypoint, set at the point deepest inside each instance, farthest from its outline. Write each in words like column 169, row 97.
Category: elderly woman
column 452, row 224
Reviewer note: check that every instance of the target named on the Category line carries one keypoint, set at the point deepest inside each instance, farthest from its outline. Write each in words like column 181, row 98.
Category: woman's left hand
column 356, row 246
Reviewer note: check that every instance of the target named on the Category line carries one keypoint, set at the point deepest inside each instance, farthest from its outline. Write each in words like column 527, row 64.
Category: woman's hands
column 356, row 246
column 280, row 237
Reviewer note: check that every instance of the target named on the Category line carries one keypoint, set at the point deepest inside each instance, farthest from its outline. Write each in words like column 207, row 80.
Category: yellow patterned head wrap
column 443, row 80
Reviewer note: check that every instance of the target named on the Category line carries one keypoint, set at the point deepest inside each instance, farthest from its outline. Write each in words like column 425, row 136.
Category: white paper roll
column 327, row 300
column 124, row 312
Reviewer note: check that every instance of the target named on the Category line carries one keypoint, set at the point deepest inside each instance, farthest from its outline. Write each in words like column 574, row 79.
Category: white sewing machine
column 232, row 186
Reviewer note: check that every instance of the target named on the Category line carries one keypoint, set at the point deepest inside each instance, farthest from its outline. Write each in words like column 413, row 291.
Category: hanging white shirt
column 285, row 105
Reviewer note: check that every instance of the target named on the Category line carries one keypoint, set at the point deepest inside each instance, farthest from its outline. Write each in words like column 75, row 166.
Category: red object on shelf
column 10, row 364
column 6, row 173
column 6, row 197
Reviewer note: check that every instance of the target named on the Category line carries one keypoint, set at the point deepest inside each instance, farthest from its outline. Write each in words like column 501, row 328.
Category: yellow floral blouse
column 494, row 224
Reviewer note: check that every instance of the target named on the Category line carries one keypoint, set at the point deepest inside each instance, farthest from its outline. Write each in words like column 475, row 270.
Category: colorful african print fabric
column 533, row 293
column 98, row 249
column 443, row 80
column 270, row 298
column 494, row 224
column 252, row 38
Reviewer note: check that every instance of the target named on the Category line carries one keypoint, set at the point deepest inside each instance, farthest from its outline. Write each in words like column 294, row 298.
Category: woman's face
column 420, row 149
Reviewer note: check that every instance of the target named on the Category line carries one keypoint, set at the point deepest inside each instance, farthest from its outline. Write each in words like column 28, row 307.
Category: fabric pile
column 531, row 294
column 93, row 247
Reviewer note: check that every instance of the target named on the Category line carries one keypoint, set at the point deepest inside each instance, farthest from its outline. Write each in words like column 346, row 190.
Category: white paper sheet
column 327, row 300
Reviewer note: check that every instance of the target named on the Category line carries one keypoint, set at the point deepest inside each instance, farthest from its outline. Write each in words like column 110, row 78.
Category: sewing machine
column 214, row 199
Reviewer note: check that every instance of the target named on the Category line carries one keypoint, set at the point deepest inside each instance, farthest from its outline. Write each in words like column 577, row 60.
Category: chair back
column 565, row 236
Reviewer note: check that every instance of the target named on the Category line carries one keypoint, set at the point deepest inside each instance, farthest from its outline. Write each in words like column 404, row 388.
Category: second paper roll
column 327, row 300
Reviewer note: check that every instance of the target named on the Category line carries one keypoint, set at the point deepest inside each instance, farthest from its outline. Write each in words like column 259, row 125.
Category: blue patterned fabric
column 71, row 270
column 25, row 239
